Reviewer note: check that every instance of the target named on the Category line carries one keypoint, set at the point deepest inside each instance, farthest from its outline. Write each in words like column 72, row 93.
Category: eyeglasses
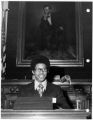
column 39, row 70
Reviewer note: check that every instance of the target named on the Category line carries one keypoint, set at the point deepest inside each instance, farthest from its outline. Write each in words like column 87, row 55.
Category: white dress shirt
column 36, row 84
column 49, row 20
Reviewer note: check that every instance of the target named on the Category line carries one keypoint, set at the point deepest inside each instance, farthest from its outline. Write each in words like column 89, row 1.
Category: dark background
column 13, row 72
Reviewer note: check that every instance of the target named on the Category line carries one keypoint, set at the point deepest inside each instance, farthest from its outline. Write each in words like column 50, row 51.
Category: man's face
column 47, row 10
column 40, row 72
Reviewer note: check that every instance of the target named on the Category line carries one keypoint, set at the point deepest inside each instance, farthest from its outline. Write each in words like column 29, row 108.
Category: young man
column 40, row 87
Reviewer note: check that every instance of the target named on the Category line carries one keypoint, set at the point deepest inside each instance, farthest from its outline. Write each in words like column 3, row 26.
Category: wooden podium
column 44, row 114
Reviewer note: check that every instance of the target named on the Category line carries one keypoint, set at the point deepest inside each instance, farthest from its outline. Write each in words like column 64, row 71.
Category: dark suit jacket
column 52, row 91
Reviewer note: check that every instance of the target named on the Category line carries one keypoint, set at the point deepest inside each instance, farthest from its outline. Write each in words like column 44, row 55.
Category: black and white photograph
column 46, row 59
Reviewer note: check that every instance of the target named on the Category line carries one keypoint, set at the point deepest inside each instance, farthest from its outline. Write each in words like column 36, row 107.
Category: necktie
column 40, row 89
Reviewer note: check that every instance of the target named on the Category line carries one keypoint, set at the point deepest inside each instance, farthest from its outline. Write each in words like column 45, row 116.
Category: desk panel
column 45, row 114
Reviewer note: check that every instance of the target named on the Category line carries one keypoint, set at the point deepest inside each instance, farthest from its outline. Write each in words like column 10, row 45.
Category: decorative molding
column 26, row 81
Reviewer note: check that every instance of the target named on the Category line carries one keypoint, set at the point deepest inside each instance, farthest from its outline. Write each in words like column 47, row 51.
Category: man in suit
column 40, row 87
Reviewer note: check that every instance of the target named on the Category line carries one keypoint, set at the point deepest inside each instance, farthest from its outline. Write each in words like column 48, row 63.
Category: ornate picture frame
column 71, row 39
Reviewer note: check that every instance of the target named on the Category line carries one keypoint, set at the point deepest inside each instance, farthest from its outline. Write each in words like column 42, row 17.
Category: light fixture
column 87, row 10
column 88, row 60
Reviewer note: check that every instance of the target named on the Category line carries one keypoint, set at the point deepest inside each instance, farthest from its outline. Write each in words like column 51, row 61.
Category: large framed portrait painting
column 59, row 38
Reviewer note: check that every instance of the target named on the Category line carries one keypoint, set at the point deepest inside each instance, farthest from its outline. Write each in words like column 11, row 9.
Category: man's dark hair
column 50, row 7
column 40, row 59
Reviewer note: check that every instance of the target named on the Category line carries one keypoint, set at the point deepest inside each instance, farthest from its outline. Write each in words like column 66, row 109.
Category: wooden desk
column 80, row 88
column 45, row 114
